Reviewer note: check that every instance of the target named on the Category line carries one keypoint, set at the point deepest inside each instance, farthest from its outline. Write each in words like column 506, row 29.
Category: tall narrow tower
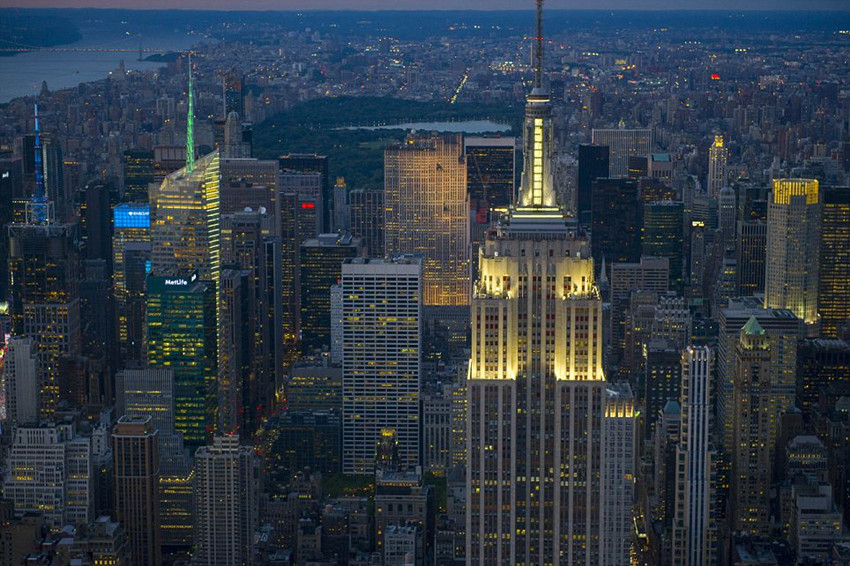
column 134, row 447
column 44, row 284
column 694, row 529
column 227, row 493
column 536, row 390
column 752, row 437
column 717, row 155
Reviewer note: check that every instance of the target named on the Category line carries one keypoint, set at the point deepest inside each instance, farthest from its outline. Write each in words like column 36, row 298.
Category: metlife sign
column 180, row 281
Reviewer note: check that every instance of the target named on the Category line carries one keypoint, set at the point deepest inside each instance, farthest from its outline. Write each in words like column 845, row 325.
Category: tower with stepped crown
column 536, row 389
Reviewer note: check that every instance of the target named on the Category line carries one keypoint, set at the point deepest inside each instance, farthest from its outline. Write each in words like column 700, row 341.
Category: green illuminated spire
column 190, row 125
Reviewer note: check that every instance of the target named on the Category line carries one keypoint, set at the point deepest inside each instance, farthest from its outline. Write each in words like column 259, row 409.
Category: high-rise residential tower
column 233, row 92
column 426, row 212
column 227, row 497
column 694, row 530
column 136, row 475
column 381, row 358
column 618, row 472
column 793, row 221
column 536, row 389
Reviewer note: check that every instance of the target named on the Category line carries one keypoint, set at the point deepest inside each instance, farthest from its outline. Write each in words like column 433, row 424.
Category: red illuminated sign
column 308, row 205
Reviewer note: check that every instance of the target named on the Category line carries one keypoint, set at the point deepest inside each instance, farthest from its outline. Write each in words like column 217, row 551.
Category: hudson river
column 22, row 74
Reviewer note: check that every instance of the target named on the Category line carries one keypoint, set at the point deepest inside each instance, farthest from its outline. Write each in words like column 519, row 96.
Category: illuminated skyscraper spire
column 39, row 163
column 541, row 475
column 39, row 210
column 190, row 124
column 537, row 190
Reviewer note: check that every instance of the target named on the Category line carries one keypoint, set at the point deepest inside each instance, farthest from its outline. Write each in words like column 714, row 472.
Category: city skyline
column 448, row 5
column 425, row 290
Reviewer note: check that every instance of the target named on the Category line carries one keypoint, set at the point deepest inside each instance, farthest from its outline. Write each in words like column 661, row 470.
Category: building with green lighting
column 181, row 335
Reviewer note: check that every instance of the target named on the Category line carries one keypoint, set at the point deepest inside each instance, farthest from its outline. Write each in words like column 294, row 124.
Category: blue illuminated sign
column 132, row 216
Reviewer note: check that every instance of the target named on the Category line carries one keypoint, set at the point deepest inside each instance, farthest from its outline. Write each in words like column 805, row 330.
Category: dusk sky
column 436, row 4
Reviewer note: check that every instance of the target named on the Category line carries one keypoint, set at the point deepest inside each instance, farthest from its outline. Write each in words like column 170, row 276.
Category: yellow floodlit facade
column 793, row 220
column 785, row 189
column 185, row 230
column 426, row 213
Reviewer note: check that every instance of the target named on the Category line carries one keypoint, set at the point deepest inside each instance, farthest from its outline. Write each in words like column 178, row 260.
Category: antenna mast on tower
column 190, row 124
column 538, row 56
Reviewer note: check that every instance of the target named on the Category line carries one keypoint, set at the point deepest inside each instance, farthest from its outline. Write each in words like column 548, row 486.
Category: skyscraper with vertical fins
column 536, row 388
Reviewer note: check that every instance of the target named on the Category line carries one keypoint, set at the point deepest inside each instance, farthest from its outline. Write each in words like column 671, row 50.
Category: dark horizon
column 436, row 6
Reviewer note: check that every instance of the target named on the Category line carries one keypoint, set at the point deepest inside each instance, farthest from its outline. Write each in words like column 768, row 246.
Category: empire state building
column 537, row 394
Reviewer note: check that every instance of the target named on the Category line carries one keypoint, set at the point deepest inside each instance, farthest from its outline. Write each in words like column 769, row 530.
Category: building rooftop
column 753, row 328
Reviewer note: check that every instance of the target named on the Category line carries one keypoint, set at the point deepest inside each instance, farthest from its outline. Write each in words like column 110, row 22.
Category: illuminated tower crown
column 537, row 188
column 537, row 209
